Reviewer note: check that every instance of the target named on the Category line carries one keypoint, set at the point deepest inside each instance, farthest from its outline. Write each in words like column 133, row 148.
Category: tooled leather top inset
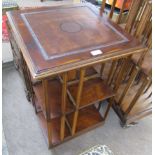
column 70, row 27
column 69, row 31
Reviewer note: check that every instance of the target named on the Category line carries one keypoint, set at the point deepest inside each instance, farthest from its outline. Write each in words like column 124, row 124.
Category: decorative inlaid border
column 85, row 49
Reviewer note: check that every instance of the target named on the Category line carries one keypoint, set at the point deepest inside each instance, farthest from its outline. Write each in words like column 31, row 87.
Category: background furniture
column 133, row 101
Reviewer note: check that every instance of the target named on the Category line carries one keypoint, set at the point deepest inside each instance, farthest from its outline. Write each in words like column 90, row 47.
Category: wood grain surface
column 58, row 39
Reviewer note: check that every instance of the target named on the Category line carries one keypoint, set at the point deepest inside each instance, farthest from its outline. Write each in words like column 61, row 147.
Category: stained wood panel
column 81, row 30
column 54, row 93
column 88, row 117
column 93, row 91
column 55, row 125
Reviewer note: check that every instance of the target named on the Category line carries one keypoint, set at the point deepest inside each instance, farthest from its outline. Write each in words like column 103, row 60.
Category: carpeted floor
column 24, row 136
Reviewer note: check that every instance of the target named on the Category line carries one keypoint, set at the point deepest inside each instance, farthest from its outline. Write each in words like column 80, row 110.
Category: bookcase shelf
column 94, row 90
column 54, row 93
column 55, row 125
column 87, row 118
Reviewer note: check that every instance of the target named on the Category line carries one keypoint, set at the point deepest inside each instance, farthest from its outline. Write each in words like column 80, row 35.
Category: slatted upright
column 78, row 98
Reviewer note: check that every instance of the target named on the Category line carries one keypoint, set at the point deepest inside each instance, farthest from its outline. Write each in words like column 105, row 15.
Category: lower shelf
column 87, row 118
column 55, row 125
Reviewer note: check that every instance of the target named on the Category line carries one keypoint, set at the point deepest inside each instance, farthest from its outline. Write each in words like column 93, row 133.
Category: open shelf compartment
column 94, row 90
column 55, row 125
column 74, row 76
column 87, row 118
column 54, row 94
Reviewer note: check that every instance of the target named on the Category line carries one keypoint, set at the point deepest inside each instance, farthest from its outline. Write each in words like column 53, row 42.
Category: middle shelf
column 94, row 90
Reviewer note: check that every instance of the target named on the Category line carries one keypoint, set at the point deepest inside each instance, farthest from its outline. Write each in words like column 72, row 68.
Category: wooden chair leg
column 136, row 97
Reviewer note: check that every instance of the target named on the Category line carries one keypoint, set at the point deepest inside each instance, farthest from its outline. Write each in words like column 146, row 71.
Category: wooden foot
column 125, row 126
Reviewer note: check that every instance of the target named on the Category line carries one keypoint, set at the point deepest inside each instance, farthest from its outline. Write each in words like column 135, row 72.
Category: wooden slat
column 54, row 98
column 140, row 12
column 143, row 21
column 102, row 69
column 111, row 72
column 132, row 14
column 149, row 85
column 112, row 8
column 148, row 30
column 111, row 101
column 88, row 118
column 29, row 80
column 130, row 82
column 149, row 41
column 46, row 105
column 143, row 101
column 136, row 97
column 141, row 59
column 64, row 92
column 47, row 110
column 116, row 71
column 121, row 12
column 55, row 129
column 62, row 128
column 26, row 78
column 121, row 73
column 63, row 105
column 82, row 74
column 102, row 7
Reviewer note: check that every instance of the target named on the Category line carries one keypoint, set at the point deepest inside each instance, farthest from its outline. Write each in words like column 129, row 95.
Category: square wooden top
column 56, row 39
